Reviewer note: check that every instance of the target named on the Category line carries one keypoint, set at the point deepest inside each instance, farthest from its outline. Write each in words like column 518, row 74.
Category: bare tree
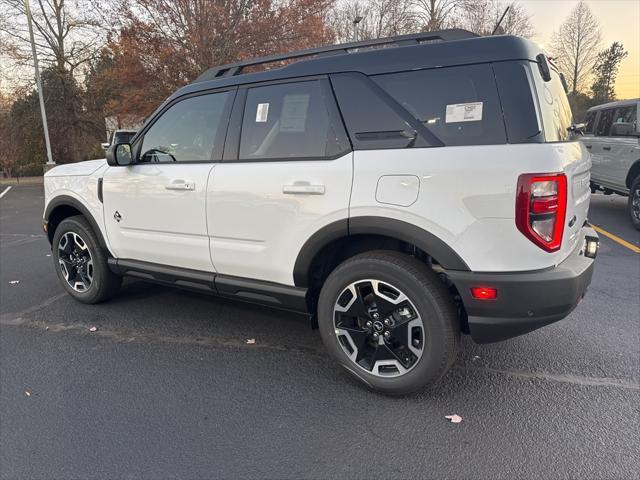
column 438, row 14
column 67, row 35
column 575, row 46
column 380, row 18
column 482, row 17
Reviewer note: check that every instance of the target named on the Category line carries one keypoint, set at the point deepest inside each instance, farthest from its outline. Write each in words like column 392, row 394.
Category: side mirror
column 119, row 155
column 577, row 128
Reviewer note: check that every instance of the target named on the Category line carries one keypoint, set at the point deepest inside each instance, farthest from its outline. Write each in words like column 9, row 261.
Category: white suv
column 398, row 195
column 612, row 135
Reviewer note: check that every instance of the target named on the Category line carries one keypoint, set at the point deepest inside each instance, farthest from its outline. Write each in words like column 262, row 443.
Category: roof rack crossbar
column 232, row 69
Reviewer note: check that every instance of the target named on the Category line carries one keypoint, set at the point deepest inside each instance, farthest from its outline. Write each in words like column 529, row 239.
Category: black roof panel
column 385, row 60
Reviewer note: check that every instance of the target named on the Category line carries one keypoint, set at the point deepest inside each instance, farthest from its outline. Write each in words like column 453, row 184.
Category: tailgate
column 577, row 165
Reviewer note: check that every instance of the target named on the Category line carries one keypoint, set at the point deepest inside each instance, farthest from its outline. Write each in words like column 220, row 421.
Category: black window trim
column 216, row 152
column 234, row 132
column 419, row 128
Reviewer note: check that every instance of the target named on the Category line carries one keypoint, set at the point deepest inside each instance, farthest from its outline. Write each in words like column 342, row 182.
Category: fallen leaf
column 454, row 418
column 27, row 393
column 251, row 341
column 93, row 329
column 14, row 282
column 475, row 357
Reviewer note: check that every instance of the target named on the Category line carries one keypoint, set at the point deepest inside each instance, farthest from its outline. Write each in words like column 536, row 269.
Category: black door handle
column 606, row 148
column 588, row 146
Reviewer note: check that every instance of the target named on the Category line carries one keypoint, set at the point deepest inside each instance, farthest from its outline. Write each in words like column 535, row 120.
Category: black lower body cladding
column 525, row 300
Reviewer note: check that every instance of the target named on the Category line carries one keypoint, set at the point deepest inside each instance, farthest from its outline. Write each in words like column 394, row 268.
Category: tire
column 79, row 260
column 634, row 203
column 424, row 333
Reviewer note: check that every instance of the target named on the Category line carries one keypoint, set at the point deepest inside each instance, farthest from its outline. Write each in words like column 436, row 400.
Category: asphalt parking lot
column 167, row 386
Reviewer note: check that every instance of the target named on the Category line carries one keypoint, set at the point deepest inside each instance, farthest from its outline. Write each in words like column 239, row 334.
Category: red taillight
column 484, row 293
column 541, row 206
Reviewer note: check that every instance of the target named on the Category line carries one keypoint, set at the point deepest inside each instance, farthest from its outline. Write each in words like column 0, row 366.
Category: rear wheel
column 81, row 264
column 390, row 321
column 634, row 203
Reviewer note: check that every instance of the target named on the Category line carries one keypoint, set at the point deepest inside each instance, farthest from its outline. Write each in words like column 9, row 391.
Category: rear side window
column 590, row 122
column 624, row 122
column 459, row 105
column 290, row 120
column 604, row 123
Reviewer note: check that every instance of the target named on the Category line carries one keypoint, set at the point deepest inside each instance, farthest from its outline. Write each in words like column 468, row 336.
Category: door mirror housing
column 119, row 155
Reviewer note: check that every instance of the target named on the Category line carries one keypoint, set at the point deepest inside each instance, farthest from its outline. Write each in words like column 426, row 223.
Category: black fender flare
column 384, row 226
column 68, row 201
column 634, row 171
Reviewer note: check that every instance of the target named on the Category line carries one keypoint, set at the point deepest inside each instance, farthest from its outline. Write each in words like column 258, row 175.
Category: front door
column 155, row 209
column 289, row 177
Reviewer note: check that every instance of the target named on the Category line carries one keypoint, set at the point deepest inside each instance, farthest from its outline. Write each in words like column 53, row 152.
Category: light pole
column 356, row 21
column 50, row 161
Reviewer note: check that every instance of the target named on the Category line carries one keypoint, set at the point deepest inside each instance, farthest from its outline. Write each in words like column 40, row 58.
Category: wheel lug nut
column 387, row 322
column 387, row 334
column 369, row 324
column 376, row 316
column 375, row 335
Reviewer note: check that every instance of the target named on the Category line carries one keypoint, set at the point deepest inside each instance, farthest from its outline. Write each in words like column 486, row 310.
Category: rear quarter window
column 554, row 107
column 459, row 105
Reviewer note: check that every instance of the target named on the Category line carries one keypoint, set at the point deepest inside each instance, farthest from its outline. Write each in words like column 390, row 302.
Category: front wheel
column 81, row 264
column 390, row 321
column 634, row 203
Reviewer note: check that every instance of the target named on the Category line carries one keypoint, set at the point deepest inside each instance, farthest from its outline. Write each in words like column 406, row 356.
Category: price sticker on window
column 464, row 112
column 262, row 112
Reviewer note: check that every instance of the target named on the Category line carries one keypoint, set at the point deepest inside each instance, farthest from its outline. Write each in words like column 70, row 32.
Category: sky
column 619, row 21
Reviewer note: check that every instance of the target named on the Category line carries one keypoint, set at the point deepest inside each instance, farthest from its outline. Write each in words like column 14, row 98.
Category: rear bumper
column 526, row 300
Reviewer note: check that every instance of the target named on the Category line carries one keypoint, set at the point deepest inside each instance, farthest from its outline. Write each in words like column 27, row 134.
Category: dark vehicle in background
column 119, row 136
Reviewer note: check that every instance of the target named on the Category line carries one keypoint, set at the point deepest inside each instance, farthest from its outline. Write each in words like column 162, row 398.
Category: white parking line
column 4, row 192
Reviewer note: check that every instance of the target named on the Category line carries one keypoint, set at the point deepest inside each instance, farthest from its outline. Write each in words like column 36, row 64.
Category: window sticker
column 294, row 113
column 262, row 112
column 464, row 112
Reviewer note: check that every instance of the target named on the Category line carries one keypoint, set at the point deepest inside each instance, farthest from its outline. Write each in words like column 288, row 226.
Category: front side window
column 605, row 122
column 459, row 105
column 188, row 131
column 290, row 120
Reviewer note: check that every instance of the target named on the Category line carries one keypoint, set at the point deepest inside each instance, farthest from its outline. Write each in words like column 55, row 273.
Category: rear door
column 286, row 174
column 155, row 209
column 624, row 145
column 602, row 146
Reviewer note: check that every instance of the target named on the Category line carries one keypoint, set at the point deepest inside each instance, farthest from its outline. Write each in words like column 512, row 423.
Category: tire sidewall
column 77, row 226
column 434, row 359
column 634, row 185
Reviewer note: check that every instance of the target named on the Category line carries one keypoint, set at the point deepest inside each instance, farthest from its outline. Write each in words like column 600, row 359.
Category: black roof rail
column 232, row 69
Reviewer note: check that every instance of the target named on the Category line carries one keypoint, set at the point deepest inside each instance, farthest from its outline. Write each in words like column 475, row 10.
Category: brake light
column 541, row 206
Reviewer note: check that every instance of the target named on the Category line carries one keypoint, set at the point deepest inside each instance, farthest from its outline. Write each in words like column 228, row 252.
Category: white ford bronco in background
column 398, row 195
column 612, row 135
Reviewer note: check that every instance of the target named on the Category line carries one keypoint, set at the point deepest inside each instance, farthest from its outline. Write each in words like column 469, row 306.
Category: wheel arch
column 65, row 206
column 342, row 239
column 634, row 171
